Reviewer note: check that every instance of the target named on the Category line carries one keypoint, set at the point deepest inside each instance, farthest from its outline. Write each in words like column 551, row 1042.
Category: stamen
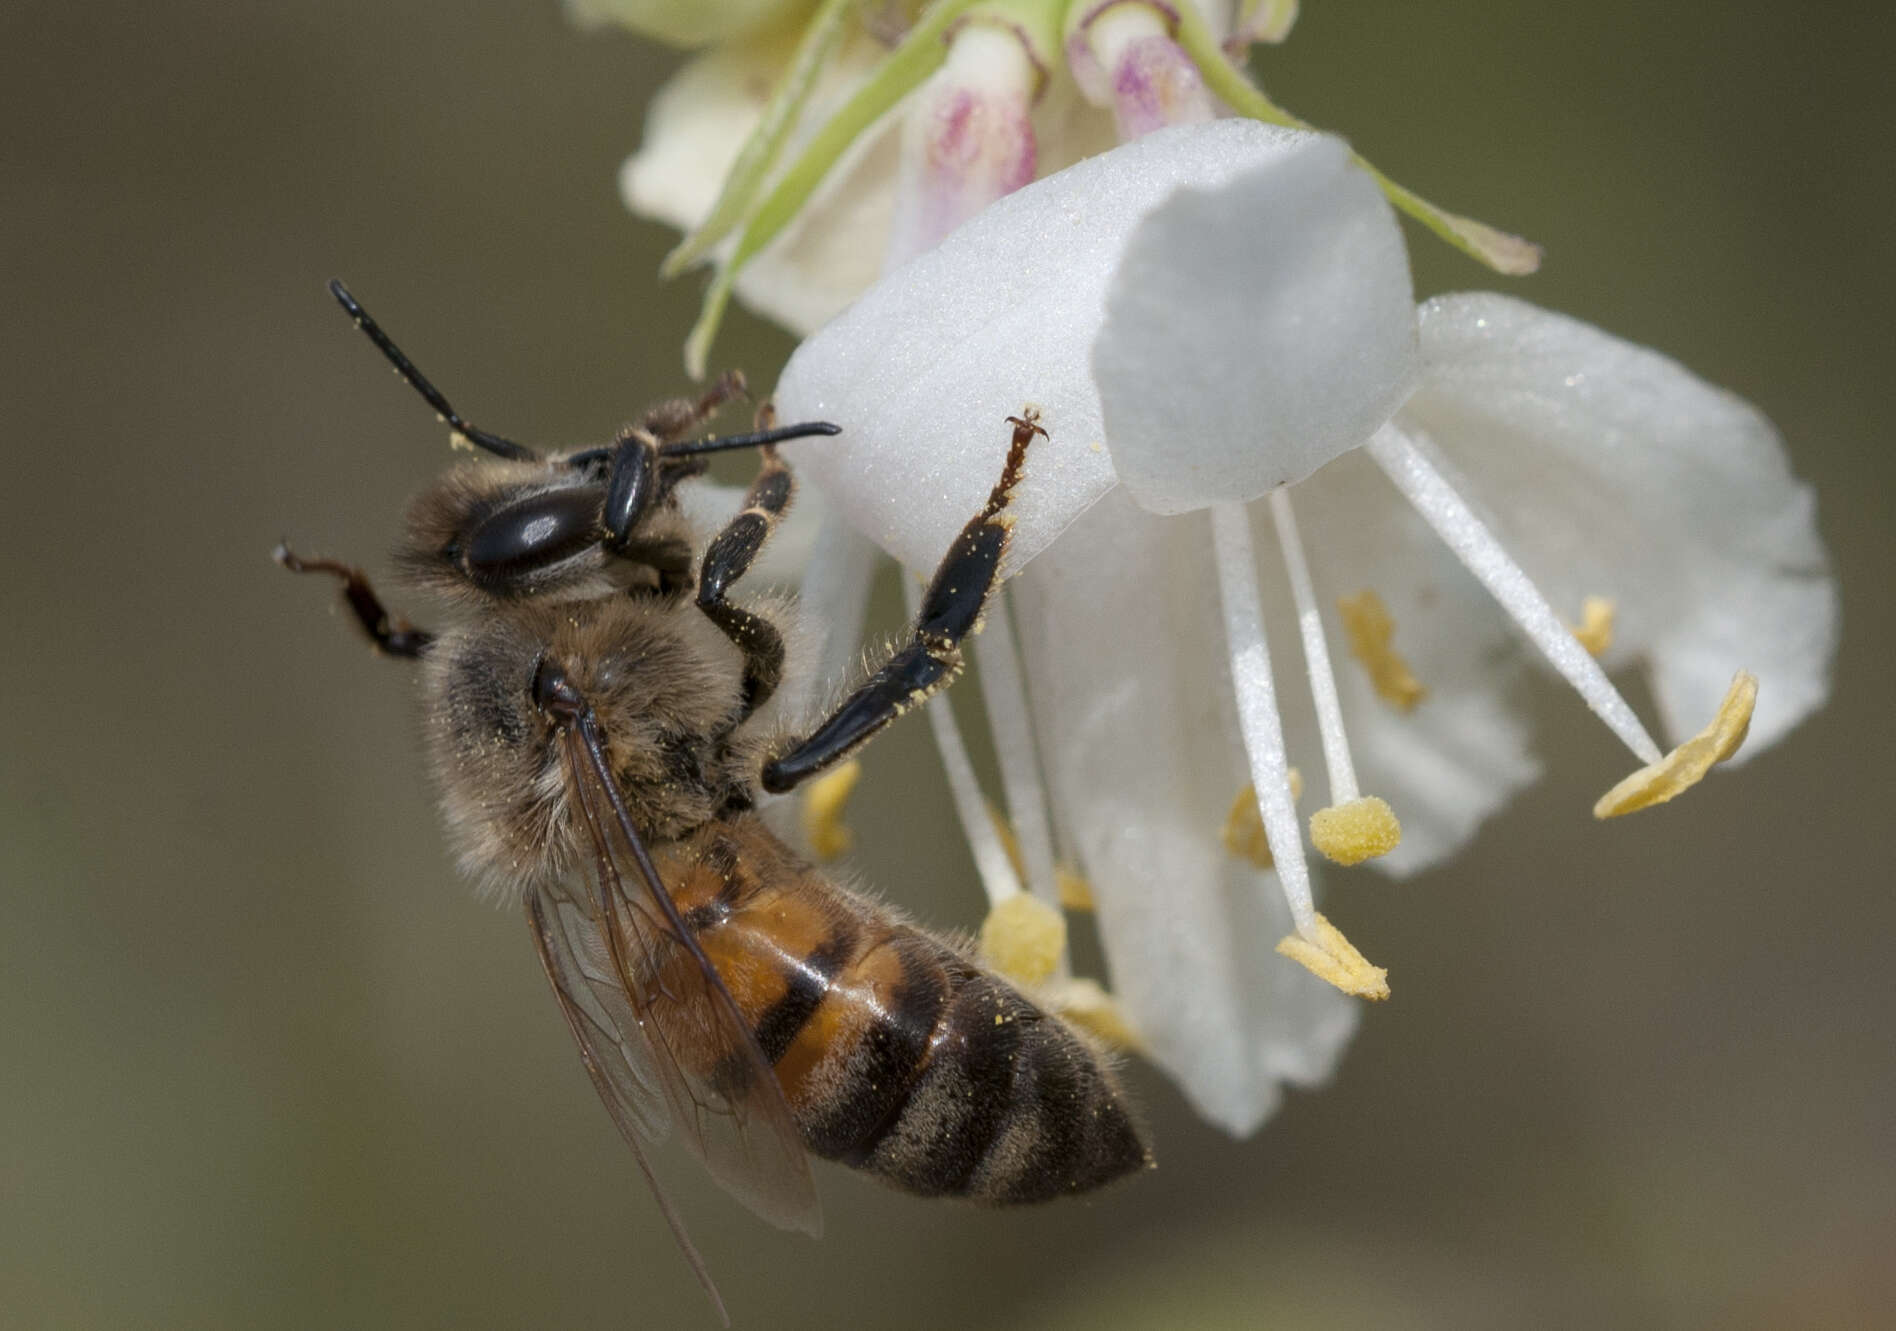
column 1372, row 632
column 1336, row 744
column 1076, row 892
column 1330, row 957
column 1257, row 706
column 828, row 836
column 990, row 856
column 1353, row 828
column 1435, row 499
column 1687, row 765
column 1243, row 833
column 1011, row 725
column 1595, row 630
column 1024, row 938
column 1070, row 886
column 1317, row 945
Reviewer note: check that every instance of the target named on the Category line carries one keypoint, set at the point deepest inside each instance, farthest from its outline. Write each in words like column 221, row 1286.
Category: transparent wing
column 655, row 1023
column 563, row 938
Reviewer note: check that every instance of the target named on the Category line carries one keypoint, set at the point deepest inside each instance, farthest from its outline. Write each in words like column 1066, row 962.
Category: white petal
column 694, row 127
column 1255, row 331
column 1119, row 626
column 923, row 369
column 1465, row 749
column 1608, row 469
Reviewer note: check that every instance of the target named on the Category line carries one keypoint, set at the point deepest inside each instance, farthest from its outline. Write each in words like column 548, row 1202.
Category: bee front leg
column 391, row 634
column 725, row 561
column 951, row 610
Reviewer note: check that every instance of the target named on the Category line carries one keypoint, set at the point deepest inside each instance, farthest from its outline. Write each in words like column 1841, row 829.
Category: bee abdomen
column 967, row 1089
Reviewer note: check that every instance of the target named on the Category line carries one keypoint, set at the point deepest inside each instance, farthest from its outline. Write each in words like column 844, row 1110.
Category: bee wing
column 596, row 1012
column 684, row 1052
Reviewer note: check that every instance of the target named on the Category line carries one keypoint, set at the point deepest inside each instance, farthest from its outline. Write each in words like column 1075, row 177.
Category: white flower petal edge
column 1608, row 469
column 1002, row 314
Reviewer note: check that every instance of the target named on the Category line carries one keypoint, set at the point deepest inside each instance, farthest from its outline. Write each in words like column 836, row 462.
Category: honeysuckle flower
column 1250, row 421
column 817, row 146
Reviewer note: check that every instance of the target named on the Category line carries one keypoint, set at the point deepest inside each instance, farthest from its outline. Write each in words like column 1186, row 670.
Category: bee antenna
column 493, row 443
column 756, row 439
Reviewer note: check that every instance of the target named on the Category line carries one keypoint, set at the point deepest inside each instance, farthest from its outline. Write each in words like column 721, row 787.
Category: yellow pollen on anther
column 1595, row 629
column 1686, row 765
column 823, row 801
column 1331, row 958
column 1024, row 938
column 1356, row 831
column 1076, row 893
column 1371, row 631
column 1243, row 832
column 1084, row 1003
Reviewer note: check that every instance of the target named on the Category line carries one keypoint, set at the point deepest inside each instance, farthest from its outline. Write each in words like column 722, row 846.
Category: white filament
column 1429, row 492
column 990, row 856
column 1336, row 743
column 1257, row 706
column 830, row 611
column 1011, row 724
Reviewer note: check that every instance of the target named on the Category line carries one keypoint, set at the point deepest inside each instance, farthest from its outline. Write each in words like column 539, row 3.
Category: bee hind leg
column 391, row 634
column 952, row 607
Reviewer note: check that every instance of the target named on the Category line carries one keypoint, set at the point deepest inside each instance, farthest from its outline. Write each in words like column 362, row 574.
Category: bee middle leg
column 951, row 610
column 725, row 561
column 391, row 634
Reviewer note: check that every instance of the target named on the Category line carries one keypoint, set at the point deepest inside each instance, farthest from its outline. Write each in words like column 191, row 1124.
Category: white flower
column 1219, row 318
column 806, row 157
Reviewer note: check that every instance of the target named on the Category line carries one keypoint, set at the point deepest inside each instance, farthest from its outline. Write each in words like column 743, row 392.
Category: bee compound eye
column 534, row 533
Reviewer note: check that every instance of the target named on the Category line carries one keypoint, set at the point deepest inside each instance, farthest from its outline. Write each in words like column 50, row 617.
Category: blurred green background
column 264, row 1061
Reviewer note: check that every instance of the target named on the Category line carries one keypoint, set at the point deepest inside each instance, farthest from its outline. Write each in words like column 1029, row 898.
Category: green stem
column 1498, row 249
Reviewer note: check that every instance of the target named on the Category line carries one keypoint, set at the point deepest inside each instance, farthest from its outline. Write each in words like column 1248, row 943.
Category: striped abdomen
column 897, row 1053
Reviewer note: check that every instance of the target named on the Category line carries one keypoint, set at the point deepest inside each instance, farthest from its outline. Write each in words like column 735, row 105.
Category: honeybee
column 596, row 729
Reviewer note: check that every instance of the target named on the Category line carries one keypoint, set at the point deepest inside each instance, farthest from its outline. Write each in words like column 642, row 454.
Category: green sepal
column 759, row 154
column 917, row 56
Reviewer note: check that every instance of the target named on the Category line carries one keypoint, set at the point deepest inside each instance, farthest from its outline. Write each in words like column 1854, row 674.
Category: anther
column 1687, row 765
column 1243, row 833
column 824, row 799
column 1024, row 938
column 1372, row 632
column 1353, row 828
column 1330, row 957
column 1595, row 629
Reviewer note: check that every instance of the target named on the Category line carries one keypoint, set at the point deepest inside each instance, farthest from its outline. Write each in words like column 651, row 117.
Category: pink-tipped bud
column 967, row 138
column 1123, row 56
